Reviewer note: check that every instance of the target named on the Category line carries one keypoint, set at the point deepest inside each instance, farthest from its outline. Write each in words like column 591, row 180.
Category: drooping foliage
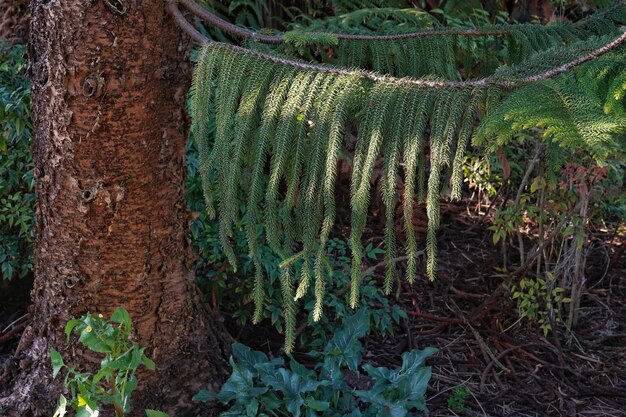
column 407, row 42
column 283, row 126
column 578, row 110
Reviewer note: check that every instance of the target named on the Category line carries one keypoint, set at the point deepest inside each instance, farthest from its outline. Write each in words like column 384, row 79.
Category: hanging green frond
column 282, row 125
column 412, row 140
column 578, row 110
column 289, row 308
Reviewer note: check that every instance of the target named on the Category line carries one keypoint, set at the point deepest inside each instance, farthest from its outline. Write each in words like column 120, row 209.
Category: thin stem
column 531, row 167
column 227, row 27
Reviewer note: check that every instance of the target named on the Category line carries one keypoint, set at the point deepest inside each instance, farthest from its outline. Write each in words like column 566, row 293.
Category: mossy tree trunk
column 109, row 85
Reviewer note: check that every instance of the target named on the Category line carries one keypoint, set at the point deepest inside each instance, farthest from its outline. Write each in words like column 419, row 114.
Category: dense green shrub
column 16, row 165
column 265, row 387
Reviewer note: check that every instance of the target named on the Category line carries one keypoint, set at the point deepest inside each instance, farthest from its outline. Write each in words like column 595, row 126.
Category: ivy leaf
column 317, row 405
column 249, row 359
column 382, row 406
column 252, row 408
column 402, row 388
column 345, row 348
column 239, row 387
column 292, row 386
column 203, row 396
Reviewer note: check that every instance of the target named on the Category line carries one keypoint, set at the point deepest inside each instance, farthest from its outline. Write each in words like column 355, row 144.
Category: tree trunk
column 109, row 84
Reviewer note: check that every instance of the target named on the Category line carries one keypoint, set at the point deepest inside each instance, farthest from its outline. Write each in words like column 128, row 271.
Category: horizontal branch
column 173, row 9
column 240, row 32
column 234, row 30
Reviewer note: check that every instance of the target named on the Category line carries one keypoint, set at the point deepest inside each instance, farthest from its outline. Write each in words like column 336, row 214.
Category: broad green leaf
column 203, row 396
column 246, row 357
column 148, row 363
column 70, row 326
column 87, row 411
column 122, row 362
column 345, row 347
column 252, row 408
column 103, row 373
column 292, row 386
column 254, row 361
column 120, row 315
column 240, row 386
column 317, row 405
column 130, row 385
column 136, row 358
column 57, row 362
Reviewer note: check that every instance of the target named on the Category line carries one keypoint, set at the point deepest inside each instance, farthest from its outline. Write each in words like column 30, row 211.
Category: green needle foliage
column 582, row 110
column 387, row 50
column 283, row 126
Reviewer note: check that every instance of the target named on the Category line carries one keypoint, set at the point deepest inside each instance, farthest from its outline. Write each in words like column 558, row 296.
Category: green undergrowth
column 17, row 198
column 232, row 290
column 264, row 387
column 111, row 387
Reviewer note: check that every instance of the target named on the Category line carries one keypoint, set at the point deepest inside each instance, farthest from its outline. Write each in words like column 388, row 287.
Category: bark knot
column 93, row 85
column 119, row 7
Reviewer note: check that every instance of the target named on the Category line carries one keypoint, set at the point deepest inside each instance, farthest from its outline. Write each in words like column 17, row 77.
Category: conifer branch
column 240, row 32
column 282, row 125
column 576, row 62
column 187, row 27
column 219, row 23
column 172, row 8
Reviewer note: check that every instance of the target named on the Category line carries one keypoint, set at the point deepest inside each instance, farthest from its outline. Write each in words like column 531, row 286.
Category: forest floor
column 509, row 367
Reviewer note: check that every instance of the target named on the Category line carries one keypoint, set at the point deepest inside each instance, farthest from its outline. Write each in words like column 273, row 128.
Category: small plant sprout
column 538, row 300
column 116, row 379
column 456, row 402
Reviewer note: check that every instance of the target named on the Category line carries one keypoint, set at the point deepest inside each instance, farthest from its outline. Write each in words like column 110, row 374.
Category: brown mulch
column 14, row 302
column 510, row 367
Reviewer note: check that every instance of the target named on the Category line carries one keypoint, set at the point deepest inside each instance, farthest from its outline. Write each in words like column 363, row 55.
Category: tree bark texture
column 109, row 85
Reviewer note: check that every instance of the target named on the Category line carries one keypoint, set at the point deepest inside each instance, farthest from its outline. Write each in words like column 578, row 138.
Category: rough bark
column 109, row 83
